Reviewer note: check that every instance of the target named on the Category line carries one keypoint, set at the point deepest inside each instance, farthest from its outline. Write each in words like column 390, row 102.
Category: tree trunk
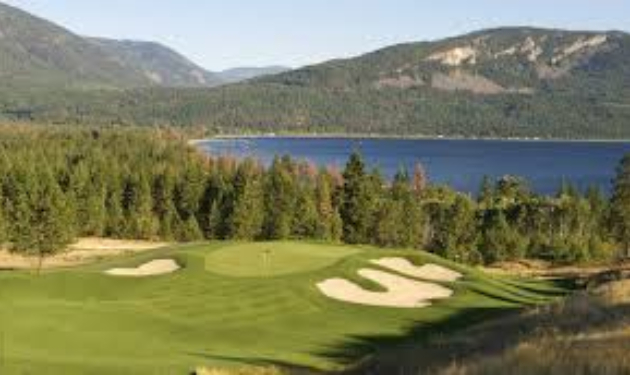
column 40, row 263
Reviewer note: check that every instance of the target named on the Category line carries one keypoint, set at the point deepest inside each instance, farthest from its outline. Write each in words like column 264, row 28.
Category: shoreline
column 404, row 137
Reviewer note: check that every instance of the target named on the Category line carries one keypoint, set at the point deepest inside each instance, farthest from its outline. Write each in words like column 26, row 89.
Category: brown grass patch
column 253, row 370
column 84, row 251
column 587, row 333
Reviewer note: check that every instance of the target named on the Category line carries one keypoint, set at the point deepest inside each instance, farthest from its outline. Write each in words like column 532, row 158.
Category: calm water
column 459, row 163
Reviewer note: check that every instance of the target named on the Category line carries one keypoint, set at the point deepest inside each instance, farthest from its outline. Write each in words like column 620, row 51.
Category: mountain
column 36, row 53
column 160, row 64
column 239, row 74
column 507, row 82
column 520, row 61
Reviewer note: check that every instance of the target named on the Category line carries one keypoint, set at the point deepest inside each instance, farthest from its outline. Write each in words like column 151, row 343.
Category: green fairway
column 228, row 306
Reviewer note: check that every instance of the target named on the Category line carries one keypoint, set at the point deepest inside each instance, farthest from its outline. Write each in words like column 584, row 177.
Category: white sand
column 401, row 292
column 429, row 272
column 153, row 268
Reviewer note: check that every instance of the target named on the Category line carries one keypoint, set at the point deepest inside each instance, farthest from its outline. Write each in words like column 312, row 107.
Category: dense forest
column 258, row 108
column 59, row 184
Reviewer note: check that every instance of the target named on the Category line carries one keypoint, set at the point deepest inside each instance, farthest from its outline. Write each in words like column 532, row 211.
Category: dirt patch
column 455, row 57
column 153, row 268
column 459, row 81
column 82, row 252
column 400, row 292
column 429, row 272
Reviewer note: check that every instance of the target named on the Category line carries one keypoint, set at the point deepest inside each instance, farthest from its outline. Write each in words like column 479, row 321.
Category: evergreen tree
column 51, row 225
column 247, row 217
column 3, row 222
column 138, row 204
column 499, row 241
column 20, row 188
column 280, row 196
column 164, row 208
column 357, row 202
column 620, row 206
column 486, row 192
column 457, row 234
column 215, row 206
column 306, row 220
column 390, row 229
column 328, row 221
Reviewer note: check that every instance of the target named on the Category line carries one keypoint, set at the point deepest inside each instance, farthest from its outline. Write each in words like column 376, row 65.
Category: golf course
column 238, row 305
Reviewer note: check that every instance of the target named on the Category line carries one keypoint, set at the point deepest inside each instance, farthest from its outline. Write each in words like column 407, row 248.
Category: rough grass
column 586, row 333
column 81, row 321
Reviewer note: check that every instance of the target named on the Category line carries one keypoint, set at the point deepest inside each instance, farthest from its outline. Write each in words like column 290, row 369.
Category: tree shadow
column 384, row 354
column 430, row 347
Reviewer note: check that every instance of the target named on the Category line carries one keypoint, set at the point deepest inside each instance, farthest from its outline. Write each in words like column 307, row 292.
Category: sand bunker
column 429, row 272
column 153, row 268
column 401, row 292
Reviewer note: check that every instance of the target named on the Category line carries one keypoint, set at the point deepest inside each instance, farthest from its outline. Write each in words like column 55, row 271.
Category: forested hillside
column 516, row 82
column 37, row 55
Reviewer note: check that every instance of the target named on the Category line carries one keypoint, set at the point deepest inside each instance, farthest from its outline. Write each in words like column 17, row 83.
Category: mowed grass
column 226, row 308
column 274, row 259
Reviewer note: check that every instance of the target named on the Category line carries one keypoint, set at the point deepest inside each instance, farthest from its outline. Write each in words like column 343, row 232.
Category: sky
column 220, row 34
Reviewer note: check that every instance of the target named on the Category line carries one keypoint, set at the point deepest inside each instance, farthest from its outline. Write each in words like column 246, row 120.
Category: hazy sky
column 225, row 33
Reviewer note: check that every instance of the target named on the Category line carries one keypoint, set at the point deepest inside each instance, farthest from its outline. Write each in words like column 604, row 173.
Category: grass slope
column 82, row 321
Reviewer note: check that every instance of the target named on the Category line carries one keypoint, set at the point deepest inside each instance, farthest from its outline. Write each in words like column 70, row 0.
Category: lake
column 461, row 164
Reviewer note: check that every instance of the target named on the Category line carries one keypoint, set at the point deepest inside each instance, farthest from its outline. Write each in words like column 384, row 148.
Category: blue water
column 461, row 164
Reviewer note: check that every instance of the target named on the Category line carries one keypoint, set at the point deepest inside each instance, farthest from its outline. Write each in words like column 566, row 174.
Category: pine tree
column 358, row 202
column 399, row 221
column 164, row 207
column 214, row 202
column 499, row 241
column 456, row 234
column 389, row 226
column 247, row 216
column 306, row 220
column 189, row 230
column 328, row 222
column 138, row 204
column 3, row 222
column 486, row 192
column 52, row 225
column 114, row 213
column 620, row 206
column 280, row 195
column 20, row 189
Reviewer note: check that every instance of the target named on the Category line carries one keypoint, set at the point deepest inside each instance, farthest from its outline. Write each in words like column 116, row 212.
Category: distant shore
column 403, row 137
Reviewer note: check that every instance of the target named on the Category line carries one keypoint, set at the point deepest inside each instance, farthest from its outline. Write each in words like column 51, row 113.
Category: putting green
column 274, row 258
column 83, row 321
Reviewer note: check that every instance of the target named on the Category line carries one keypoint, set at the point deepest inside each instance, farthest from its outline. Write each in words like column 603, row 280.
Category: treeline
column 57, row 185
column 263, row 107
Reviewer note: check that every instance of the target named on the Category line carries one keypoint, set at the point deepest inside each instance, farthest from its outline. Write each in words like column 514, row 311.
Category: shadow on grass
column 383, row 354
column 409, row 353
column 364, row 354
column 475, row 334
